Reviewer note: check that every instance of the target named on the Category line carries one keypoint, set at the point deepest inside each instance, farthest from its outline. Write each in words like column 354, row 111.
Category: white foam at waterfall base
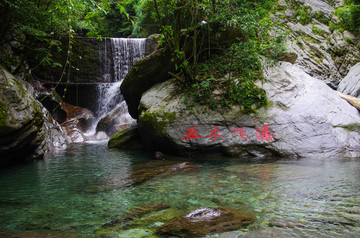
column 125, row 52
column 109, row 96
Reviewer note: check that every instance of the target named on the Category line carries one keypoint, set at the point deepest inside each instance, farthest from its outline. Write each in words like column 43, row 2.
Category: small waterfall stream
column 123, row 54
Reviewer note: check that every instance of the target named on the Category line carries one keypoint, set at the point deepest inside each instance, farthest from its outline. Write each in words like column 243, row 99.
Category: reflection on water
column 292, row 198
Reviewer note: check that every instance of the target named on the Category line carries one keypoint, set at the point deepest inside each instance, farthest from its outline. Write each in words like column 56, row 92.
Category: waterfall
column 125, row 51
column 118, row 56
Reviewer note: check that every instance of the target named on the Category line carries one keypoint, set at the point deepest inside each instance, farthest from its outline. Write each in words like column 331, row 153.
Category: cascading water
column 124, row 53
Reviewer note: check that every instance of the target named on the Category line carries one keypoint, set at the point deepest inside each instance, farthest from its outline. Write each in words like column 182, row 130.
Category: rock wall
column 323, row 52
column 27, row 131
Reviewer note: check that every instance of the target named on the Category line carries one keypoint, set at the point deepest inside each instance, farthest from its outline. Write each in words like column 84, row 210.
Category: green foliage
column 303, row 15
column 348, row 40
column 332, row 26
column 318, row 31
column 349, row 16
column 320, row 16
column 232, row 77
column 227, row 77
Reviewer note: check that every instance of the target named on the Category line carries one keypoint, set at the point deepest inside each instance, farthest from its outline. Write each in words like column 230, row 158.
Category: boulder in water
column 126, row 139
column 207, row 220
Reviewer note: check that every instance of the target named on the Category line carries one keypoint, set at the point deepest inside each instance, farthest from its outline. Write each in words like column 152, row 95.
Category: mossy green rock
column 25, row 132
column 126, row 139
column 21, row 119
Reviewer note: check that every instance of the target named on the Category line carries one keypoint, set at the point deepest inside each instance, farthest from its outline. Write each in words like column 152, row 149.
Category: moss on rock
column 3, row 113
column 126, row 139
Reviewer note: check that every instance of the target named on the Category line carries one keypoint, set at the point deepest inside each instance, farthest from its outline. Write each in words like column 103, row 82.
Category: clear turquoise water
column 293, row 198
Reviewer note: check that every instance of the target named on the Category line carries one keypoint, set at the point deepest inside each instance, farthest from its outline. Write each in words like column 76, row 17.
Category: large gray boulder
column 351, row 83
column 305, row 117
column 27, row 131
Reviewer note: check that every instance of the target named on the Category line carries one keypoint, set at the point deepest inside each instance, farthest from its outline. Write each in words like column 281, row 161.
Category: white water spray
column 125, row 52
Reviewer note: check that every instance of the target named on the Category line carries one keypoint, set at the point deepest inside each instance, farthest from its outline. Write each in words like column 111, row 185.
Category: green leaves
column 349, row 16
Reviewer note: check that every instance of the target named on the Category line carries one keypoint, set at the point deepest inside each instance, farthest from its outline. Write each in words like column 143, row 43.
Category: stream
column 73, row 193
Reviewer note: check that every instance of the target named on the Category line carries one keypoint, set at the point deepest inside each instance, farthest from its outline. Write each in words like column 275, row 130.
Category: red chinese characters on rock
column 191, row 133
column 242, row 133
column 214, row 133
column 264, row 134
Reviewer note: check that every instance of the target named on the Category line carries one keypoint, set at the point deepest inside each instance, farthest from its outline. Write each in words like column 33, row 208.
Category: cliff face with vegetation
column 302, row 115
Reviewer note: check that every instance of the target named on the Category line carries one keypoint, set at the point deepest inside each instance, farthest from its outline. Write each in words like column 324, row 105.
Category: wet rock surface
column 78, row 120
column 205, row 221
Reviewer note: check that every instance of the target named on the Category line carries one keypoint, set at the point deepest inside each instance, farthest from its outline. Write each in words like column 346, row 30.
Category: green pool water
column 58, row 196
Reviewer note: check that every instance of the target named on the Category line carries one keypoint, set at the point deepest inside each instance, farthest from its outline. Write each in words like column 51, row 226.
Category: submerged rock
column 141, row 174
column 25, row 132
column 205, row 221
column 138, row 212
column 304, row 118
column 351, row 83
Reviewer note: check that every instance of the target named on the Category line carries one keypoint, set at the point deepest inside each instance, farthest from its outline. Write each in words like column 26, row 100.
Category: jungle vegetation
column 221, row 74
